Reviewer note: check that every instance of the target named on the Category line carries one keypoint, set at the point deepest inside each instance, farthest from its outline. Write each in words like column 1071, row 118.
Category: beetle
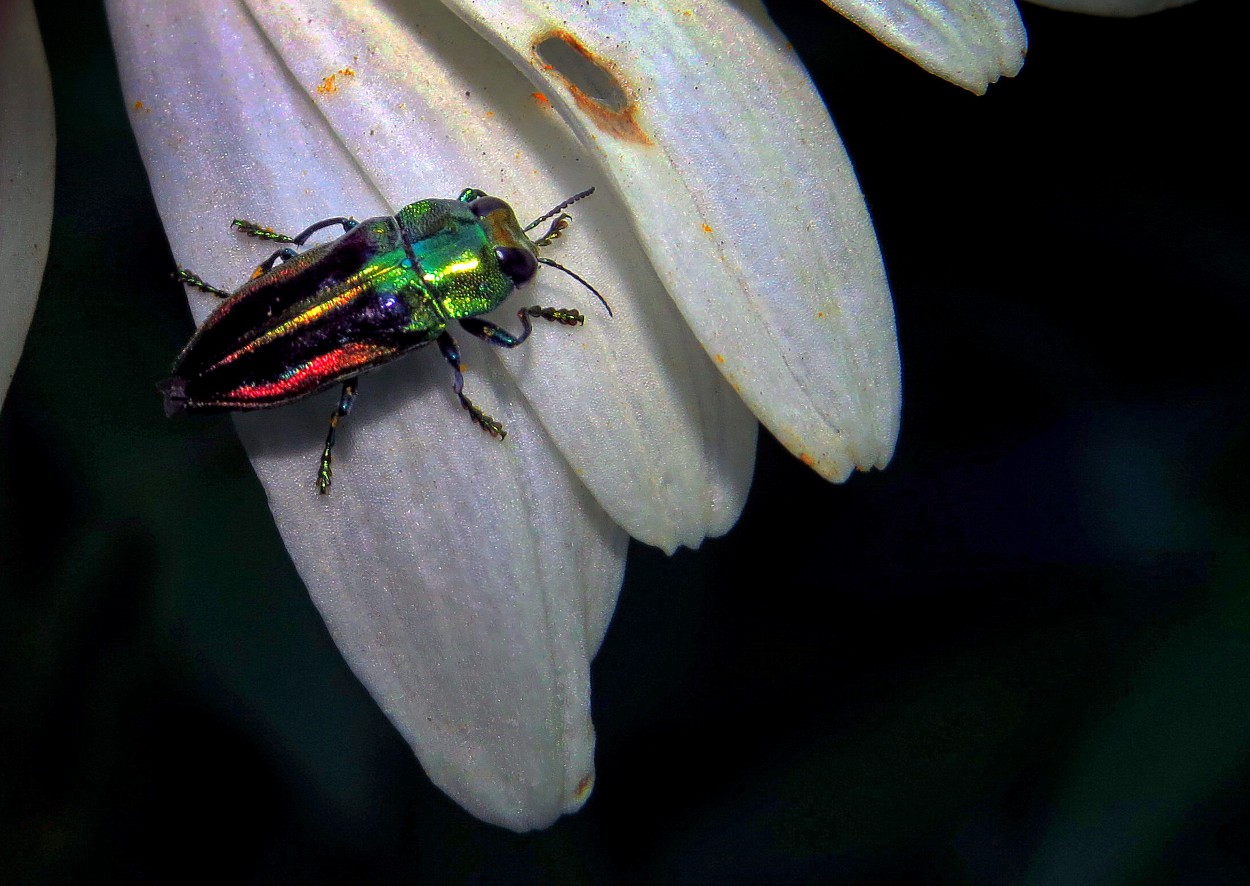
column 306, row 321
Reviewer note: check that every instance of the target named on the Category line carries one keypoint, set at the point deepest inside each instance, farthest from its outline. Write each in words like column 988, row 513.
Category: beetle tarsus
column 484, row 421
column 566, row 316
column 260, row 232
column 451, row 353
column 182, row 275
column 325, row 473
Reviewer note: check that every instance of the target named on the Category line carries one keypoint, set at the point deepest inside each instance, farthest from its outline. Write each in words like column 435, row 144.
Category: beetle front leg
column 325, row 475
column 451, row 353
column 500, row 337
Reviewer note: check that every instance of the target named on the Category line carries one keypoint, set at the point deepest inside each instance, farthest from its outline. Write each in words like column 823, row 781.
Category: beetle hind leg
column 325, row 473
column 451, row 353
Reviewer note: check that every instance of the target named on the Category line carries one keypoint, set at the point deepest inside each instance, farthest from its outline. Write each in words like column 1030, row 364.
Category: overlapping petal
column 429, row 104
column 467, row 582
column 744, row 199
column 968, row 42
column 27, row 164
column 1122, row 8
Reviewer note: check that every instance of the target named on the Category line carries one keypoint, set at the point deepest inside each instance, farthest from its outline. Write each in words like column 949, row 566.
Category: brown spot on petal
column 594, row 83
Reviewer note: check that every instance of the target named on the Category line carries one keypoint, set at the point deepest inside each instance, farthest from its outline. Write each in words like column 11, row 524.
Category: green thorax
column 456, row 253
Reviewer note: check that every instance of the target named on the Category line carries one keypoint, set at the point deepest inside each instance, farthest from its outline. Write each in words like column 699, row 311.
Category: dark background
column 1022, row 653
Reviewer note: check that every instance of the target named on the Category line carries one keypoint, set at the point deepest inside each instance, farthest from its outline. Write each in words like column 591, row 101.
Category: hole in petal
column 595, row 85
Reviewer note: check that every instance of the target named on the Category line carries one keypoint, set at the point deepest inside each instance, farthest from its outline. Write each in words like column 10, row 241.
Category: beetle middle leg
column 252, row 229
column 324, row 474
column 451, row 353
column 285, row 254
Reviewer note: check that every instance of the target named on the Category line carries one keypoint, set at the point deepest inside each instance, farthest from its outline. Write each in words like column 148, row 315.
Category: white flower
column 469, row 583
column 27, row 155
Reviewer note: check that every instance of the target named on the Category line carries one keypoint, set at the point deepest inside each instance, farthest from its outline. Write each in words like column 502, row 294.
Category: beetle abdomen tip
column 175, row 391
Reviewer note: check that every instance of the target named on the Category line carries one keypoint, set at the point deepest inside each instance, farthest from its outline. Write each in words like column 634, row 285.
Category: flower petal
column 1123, row 8
column 27, row 165
column 468, row 583
column 968, row 42
column 438, row 109
column 745, row 201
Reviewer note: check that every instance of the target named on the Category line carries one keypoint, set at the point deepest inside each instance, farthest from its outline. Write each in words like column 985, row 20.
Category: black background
column 1022, row 653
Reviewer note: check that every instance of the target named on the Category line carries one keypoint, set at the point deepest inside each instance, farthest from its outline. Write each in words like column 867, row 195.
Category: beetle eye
column 486, row 205
column 517, row 263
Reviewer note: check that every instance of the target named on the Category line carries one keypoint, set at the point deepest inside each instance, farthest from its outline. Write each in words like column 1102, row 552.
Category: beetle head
column 517, row 254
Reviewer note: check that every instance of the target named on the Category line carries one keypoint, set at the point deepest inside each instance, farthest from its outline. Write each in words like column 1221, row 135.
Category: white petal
column 467, row 582
column 27, row 162
column 1124, row 8
column 968, row 42
column 745, row 201
column 428, row 108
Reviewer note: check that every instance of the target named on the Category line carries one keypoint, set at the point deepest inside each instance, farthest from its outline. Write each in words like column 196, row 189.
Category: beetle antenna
column 560, row 267
column 567, row 203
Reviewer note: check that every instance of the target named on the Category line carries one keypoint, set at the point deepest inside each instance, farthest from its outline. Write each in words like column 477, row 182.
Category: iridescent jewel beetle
column 308, row 320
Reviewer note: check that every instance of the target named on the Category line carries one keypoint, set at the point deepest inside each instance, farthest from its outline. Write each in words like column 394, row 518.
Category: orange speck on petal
column 707, row 229
column 541, row 99
column 806, row 459
column 140, row 106
column 720, row 358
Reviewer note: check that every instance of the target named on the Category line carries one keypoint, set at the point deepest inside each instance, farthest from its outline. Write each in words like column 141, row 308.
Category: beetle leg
column 286, row 253
column 497, row 335
column 252, row 229
column 566, row 316
column 557, row 228
column 302, row 237
column 191, row 279
column 451, row 353
column 260, row 232
column 324, row 474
